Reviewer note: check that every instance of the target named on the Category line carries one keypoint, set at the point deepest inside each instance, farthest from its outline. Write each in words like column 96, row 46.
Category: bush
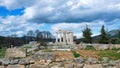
column 89, row 48
column 76, row 55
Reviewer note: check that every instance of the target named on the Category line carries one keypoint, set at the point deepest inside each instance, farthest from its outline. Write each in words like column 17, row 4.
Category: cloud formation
column 55, row 11
column 65, row 13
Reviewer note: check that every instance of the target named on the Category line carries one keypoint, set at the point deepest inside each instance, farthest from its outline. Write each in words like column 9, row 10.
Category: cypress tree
column 103, row 36
column 87, row 35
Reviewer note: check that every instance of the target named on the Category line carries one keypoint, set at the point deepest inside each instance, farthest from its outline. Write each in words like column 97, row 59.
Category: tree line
column 31, row 35
column 103, row 37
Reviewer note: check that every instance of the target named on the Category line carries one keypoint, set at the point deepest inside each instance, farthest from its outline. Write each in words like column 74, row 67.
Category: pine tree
column 87, row 35
column 118, row 39
column 103, row 36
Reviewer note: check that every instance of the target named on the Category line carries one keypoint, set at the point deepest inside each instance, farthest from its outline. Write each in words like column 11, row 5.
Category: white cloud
column 16, row 4
column 77, row 28
column 16, row 25
column 65, row 14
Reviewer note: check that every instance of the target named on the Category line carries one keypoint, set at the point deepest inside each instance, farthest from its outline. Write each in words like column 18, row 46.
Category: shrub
column 76, row 55
column 89, row 48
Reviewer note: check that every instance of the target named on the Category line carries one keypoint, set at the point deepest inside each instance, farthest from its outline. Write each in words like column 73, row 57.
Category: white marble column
column 64, row 37
column 67, row 37
column 56, row 37
column 71, row 37
column 60, row 37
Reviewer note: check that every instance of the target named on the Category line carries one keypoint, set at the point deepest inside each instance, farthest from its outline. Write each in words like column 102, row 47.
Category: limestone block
column 16, row 66
column 38, row 66
column 2, row 67
column 93, row 66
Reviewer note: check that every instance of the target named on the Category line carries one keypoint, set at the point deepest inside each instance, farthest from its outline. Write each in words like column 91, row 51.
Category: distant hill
column 112, row 34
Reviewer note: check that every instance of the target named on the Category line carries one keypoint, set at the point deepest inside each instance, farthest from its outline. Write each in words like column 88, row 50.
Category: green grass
column 2, row 52
column 75, row 54
column 27, row 47
column 109, row 53
column 116, row 49
column 89, row 48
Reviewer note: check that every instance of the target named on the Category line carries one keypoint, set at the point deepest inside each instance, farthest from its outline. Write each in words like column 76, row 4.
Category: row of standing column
column 67, row 37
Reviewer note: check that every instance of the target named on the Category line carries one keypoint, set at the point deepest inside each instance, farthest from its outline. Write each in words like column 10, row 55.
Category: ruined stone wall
column 15, row 52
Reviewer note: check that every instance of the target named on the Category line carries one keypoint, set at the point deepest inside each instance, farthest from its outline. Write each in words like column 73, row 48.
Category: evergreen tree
column 118, row 40
column 103, row 36
column 87, row 35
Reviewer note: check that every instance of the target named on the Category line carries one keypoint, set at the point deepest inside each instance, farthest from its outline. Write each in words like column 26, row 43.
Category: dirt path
column 64, row 54
column 87, row 53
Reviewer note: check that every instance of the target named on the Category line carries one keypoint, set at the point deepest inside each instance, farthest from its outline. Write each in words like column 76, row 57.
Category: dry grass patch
column 64, row 54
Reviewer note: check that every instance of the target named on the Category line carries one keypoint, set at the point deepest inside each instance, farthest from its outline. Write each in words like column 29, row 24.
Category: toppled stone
column 44, row 55
column 78, row 60
column 93, row 66
column 16, row 66
column 12, row 62
column 2, row 66
column 79, row 65
column 15, row 52
column 5, row 61
column 105, row 64
column 24, row 62
column 38, row 66
column 112, row 63
column 105, row 59
column 69, row 66
column 92, row 60
column 82, row 46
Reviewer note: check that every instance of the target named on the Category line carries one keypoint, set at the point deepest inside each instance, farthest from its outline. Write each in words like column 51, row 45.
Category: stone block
column 2, row 67
column 38, row 66
column 16, row 66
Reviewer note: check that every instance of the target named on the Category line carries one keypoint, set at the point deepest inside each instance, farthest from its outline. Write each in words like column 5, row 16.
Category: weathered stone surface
column 79, row 65
column 105, row 64
column 101, row 46
column 78, row 60
column 92, row 60
column 82, row 46
column 116, row 46
column 5, row 61
column 44, row 55
column 69, row 66
column 15, row 52
column 105, row 59
column 16, row 66
column 93, row 66
column 12, row 62
column 24, row 62
column 112, row 63
column 2, row 67
column 38, row 66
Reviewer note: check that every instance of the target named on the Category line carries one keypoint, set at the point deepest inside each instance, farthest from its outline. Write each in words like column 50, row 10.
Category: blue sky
column 4, row 12
column 20, row 16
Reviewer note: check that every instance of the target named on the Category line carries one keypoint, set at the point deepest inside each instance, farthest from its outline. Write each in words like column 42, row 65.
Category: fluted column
column 64, row 38
column 56, row 37
column 67, row 37
column 71, row 37
column 60, row 37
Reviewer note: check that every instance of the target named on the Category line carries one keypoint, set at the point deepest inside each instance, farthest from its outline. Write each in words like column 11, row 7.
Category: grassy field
column 91, row 52
column 112, row 54
column 2, row 52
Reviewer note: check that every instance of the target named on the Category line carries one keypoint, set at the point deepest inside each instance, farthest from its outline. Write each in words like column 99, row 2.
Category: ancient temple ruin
column 65, row 37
